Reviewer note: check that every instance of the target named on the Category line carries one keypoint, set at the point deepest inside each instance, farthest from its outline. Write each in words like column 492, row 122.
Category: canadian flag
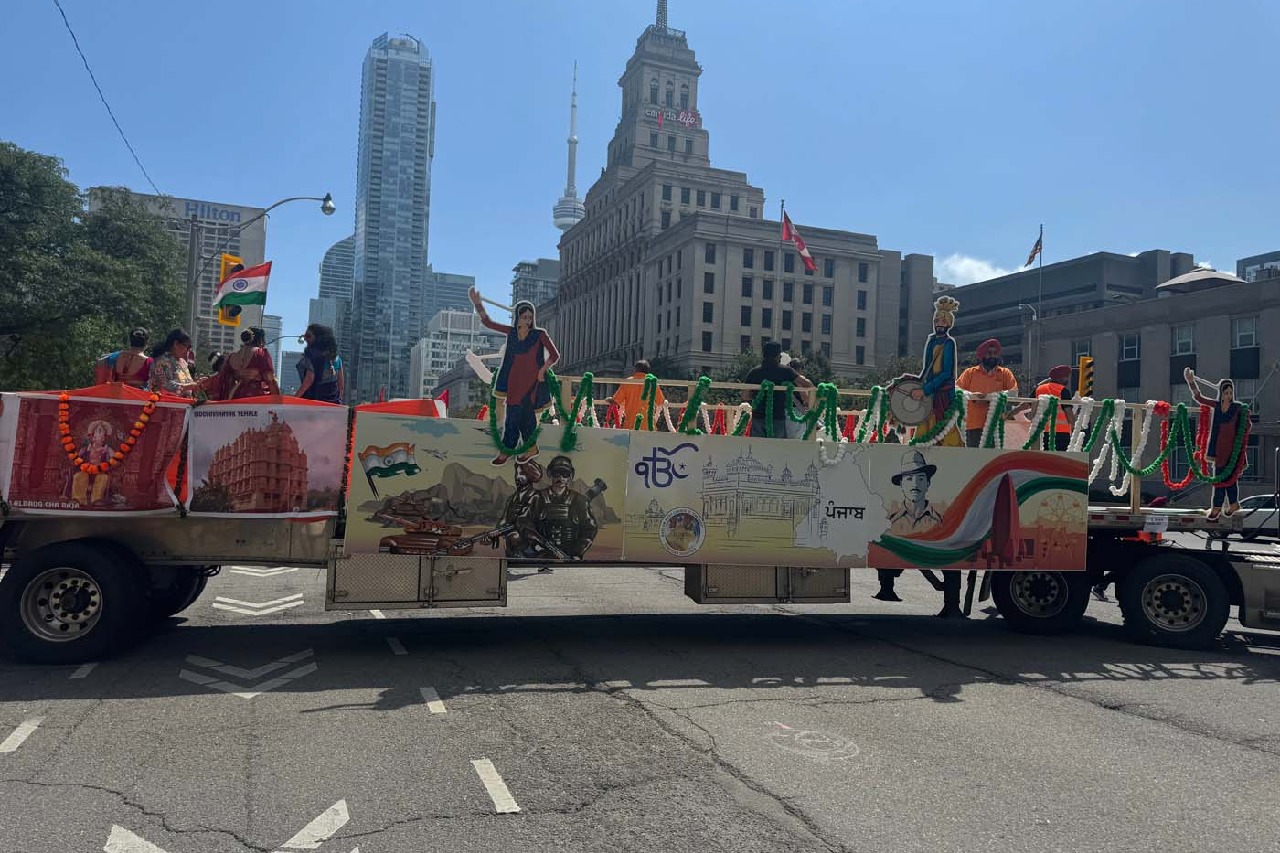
column 789, row 232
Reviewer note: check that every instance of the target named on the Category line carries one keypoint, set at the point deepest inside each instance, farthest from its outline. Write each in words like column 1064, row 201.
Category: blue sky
column 949, row 128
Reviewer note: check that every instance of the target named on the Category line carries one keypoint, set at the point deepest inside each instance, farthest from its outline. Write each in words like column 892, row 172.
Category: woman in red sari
column 133, row 366
column 248, row 372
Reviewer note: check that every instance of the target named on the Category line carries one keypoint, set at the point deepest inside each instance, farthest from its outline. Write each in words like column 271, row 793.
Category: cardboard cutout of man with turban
column 938, row 372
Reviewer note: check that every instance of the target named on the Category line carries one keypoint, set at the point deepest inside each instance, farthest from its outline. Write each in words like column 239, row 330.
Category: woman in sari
column 132, row 366
column 320, row 366
column 248, row 372
column 171, row 368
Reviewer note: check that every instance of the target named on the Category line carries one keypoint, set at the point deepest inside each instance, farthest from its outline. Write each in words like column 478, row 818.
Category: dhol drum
column 905, row 409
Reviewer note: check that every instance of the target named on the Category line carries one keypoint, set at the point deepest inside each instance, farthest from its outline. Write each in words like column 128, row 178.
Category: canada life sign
column 688, row 118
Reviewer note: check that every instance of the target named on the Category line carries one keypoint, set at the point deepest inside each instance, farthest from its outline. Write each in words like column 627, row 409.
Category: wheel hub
column 1174, row 602
column 62, row 604
column 1039, row 594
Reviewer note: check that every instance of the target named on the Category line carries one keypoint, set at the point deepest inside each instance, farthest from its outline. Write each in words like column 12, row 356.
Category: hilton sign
column 204, row 210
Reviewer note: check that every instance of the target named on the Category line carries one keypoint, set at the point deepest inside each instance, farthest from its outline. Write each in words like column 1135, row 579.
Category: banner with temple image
column 95, row 451
column 718, row 499
column 266, row 458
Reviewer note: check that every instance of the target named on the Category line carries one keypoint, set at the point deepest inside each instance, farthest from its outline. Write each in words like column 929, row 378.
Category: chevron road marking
column 260, row 573
column 20, row 734
column 319, row 830
column 251, row 690
column 122, row 840
column 257, row 608
column 432, row 698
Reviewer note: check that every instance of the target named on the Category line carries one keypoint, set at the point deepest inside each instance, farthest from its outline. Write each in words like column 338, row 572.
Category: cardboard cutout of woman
column 1227, row 423
column 522, row 378
column 938, row 371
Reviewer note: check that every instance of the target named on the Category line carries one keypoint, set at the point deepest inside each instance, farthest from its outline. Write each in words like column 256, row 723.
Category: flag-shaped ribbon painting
column 789, row 232
column 388, row 461
column 246, row 287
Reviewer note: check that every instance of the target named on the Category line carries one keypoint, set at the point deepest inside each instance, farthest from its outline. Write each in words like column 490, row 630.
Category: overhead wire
column 102, row 97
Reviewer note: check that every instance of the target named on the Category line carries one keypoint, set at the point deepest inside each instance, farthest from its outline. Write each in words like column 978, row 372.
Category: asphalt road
column 616, row 715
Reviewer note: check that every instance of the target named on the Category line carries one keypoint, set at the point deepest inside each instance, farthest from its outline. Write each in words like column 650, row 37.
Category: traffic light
column 1085, row 388
column 229, row 315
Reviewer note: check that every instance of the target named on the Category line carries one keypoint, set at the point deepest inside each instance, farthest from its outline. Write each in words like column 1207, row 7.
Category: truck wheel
column 70, row 602
column 1039, row 602
column 185, row 586
column 1174, row 600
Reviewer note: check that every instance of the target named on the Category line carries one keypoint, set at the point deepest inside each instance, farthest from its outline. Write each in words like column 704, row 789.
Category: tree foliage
column 73, row 282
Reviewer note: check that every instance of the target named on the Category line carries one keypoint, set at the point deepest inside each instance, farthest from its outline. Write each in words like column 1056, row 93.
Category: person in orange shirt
column 986, row 377
column 630, row 399
column 1058, row 385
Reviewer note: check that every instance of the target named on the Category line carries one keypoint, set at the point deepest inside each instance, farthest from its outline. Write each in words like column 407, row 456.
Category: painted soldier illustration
column 560, row 516
column 528, row 475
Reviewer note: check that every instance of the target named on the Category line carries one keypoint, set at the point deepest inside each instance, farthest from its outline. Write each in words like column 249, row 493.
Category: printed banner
column 107, row 430
column 428, row 486
column 266, row 459
column 9, row 403
column 718, row 499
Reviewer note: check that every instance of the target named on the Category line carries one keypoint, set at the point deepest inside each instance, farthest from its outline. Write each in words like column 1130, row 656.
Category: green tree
column 73, row 283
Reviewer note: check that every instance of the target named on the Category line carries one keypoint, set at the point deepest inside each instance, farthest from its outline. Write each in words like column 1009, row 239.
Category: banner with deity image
column 718, row 499
column 101, row 451
column 267, row 458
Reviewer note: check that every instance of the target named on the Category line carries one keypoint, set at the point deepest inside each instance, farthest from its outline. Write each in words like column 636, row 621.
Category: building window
column 860, row 327
column 659, row 294
column 808, row 271
column 666, row 219
column 748, row 259
column 786, row 344
column 825, row 349
column 1180, row 393
column 684, row 96
column 733, row 203
column 746, row 315
column 864, row 272
column 827, row 295
column 746, row 286
column 1183, row 339
column 788, row 291
column 829, row 268
column 768, row 288
column 859, row 355
column 806, row 347
column 1253, row 470
column 684, row 195
column 688, row 146
column 1245, row 390
column 668, row 291
column 677, row 316
column 1083, row 347
column 768, row 260
column 670, row 96
column 671, row 143
column 677, row 288
column 709, row 282
column 1244, row 332
column 702, row 198
column 806, row 322
column 786, row 321
column 1129, row 393
column 666, row 192
column 706, row 342
column 766, row 318
column 680, row 259
column 744, row 343
column 707, row 312
column 862, row 300
column 709, row 253
column 715, row 201
column 826, row 324
column 755, row 213
column 653, row 91
column 659, row 324
column 808, row 294
column 1130, row 348
column 788, row 262
column 653, row 140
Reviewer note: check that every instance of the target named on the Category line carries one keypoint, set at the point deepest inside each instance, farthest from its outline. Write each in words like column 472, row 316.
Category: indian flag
column 389, row 461
column 247, row 287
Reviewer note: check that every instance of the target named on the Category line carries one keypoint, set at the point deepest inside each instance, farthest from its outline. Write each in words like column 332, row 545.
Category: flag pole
column 1039, row 301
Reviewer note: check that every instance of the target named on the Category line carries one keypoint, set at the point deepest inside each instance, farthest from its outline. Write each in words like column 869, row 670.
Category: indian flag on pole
column 246, row 287
column 388, row 462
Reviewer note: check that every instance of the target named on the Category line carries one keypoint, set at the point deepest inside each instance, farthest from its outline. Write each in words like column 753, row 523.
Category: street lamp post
column 196, row 269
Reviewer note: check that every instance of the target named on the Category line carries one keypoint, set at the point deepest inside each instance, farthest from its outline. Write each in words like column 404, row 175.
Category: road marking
column 378, row 614
column 257, row 608
column 432, row 698
column 247, row 691
column 261, row 573
column 397, row 647
column 321, row 829
column 122, row 840
column 503, row 802
column 20, row 734
column 84, row 670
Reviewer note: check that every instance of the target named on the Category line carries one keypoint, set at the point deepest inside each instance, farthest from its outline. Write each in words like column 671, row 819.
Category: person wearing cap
column 772, row 369
column 988, row 376
column 917, row 515
column 1058, row 385
column 560, row 514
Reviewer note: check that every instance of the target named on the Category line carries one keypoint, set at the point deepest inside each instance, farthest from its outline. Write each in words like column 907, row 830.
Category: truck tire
column 1174, row 600
column 185, row 586
column 1039, row 602
column 70, row 602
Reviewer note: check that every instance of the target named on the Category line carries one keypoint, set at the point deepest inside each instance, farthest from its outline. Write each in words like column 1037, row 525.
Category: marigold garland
column 125, row 448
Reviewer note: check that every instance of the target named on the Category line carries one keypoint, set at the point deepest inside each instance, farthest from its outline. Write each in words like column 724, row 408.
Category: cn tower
column 569, row 210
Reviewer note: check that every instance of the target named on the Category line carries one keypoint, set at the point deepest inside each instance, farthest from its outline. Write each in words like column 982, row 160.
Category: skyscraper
column 273, row 327
column 535, row 281
column 569, row 210
column 393, row 199
column 333, row 307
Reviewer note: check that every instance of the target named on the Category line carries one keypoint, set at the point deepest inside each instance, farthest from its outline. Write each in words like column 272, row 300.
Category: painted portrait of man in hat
column 917, row 514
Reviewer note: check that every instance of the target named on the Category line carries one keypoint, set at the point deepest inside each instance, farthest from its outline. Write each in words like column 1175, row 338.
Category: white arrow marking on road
column 122, row 840
column 503, row 802
column 20, row 734
column 397, row 647
column 258, row 608
column 432, row 698
column 261, row 573
column 237, row 672
column 83, row 671
column 378, row 614
column 321, row 829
